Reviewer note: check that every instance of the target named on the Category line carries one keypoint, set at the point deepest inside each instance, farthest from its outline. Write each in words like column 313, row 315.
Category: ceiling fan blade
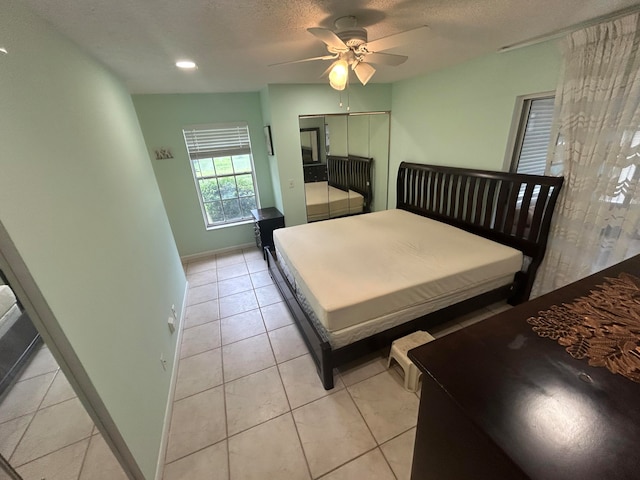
column 386, row 59
column 325, row 57
column 364, row 72
column 397, row 39
column 328, row 37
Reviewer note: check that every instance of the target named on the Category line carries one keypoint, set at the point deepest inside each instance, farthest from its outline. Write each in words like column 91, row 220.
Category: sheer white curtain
column 597, row 218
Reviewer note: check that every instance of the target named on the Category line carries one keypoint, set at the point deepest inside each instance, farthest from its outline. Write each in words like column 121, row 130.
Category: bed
column 457, row 240
column 347, row 191
column 18, row 336
column 9, row 310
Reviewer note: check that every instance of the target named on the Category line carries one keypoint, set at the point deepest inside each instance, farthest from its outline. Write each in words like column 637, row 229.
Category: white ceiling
column 234, row 41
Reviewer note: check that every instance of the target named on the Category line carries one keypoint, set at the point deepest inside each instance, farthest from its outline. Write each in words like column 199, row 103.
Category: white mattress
column 325, row 202
column 9, row 311
column 373, row 267
column 7, row 299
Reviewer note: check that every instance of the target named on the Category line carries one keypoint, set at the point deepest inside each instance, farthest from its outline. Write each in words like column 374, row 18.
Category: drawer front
column 256, row 233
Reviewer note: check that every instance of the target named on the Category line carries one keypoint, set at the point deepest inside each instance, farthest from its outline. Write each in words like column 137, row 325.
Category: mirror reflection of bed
column 345, row 163
column 347, row 190
column 18, row 337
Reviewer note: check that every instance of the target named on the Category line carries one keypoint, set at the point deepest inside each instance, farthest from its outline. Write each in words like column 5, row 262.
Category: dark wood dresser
column 266, row 220
column 499, row 401
column 315, row 172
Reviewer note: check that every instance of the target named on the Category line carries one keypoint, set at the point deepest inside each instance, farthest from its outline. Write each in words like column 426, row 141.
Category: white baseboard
column 197, row 256
column 162, row 454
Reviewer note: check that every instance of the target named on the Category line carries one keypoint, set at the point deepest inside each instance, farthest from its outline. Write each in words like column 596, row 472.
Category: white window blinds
column 531, row 151
column 220, row 140
column 223, row 172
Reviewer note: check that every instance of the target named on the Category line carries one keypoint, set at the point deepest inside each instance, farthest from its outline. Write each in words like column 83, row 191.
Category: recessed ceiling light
column 186, row 64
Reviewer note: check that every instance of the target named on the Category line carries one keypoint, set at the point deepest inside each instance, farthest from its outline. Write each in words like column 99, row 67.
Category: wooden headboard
column 360, row 178
column 351, row 173
column 338, row 172
column 509, row 208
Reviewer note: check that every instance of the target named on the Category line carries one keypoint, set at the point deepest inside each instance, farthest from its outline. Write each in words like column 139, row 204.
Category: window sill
column 227, row 225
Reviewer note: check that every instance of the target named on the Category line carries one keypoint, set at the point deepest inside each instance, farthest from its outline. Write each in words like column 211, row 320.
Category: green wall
column 80, row 202
column 265, row 107
column 461, row 116
column 162, row 118
column 285, row 103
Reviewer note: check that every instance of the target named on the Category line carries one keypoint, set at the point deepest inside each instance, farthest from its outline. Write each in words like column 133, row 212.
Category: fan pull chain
column 348, row 101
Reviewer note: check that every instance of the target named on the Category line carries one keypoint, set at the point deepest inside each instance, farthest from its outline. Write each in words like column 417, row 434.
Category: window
column 222, row 165
column 531, row 134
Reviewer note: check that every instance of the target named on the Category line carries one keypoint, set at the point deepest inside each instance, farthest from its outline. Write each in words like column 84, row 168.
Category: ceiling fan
column 348, row 46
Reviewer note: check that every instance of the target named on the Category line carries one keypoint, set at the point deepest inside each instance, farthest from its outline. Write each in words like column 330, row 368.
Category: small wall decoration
column 267, row 138
column 163, row 153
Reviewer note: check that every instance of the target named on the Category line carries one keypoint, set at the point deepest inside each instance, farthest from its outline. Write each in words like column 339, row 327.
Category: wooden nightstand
column 266, row 220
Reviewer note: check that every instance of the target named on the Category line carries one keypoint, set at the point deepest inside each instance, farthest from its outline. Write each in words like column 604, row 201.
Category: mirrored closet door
column 345, row 159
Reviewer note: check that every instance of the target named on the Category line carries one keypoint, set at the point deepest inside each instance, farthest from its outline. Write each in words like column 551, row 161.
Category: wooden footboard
column 326, row 358
column 319, row 349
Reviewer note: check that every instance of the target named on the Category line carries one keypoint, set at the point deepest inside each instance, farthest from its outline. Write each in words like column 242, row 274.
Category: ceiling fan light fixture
column 186, row 64
column 339, row 75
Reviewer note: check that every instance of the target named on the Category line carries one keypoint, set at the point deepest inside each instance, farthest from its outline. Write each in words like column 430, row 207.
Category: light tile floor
column 45, row 432
column 248, row 401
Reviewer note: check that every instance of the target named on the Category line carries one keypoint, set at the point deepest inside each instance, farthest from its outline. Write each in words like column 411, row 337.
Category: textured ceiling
column 234, row 41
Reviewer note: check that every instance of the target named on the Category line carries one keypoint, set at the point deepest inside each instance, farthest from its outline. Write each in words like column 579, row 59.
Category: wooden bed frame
column 508, row 208
column 351, row 173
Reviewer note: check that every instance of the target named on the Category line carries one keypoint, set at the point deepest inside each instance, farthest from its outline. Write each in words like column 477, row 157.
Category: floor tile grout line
column 262, row 422
column 30, row 378
column 258, row 334
column 88, row 437
column 304, row 453
column 226, row 416
column 360, row 412
column 273, row 352
column 200, row 303
column 378, row 444
column 84, row 457
column 253, row 287
column 35, row 412
column 6, row 394
column 200, row 324
column 200, row 449
column 198, row 353
column 259, row 307
column 396, row 436
column 377, row 447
